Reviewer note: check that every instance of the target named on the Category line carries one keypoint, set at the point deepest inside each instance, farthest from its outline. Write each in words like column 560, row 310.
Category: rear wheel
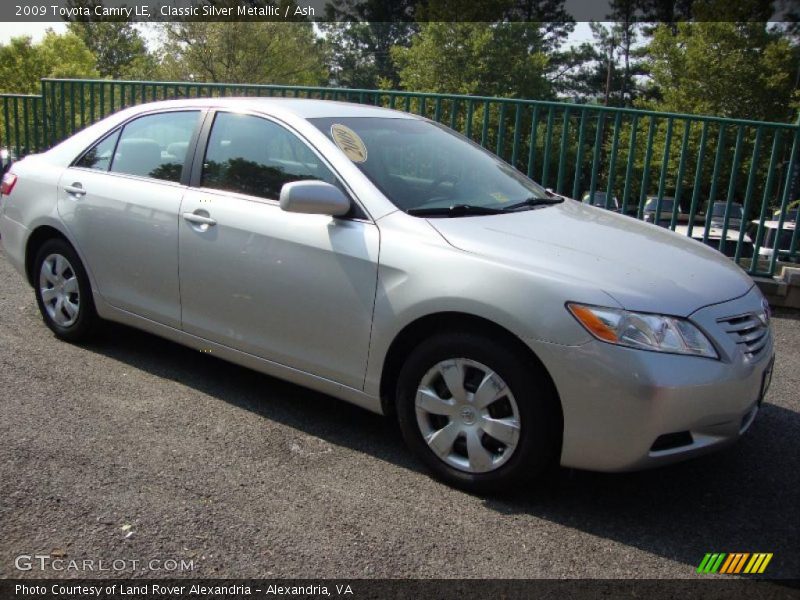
column 63, row 292
column 481, row 416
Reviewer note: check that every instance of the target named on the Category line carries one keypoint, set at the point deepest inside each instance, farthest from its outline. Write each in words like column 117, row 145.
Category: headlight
column 645, row 331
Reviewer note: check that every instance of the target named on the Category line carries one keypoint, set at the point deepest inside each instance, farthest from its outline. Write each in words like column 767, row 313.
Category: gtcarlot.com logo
column 47, row 562
column 735, row 563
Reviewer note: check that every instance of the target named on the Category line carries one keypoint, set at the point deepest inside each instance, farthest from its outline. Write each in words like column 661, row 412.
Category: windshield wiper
column 534, row 201
column 455, row 210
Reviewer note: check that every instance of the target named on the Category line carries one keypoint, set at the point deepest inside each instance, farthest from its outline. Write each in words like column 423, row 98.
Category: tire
column 476, row 461
column 63, row 292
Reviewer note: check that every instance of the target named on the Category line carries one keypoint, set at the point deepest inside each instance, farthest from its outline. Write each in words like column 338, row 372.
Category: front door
column 295, row 289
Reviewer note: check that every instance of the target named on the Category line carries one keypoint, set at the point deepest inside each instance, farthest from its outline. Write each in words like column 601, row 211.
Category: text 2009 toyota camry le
column 383, row 259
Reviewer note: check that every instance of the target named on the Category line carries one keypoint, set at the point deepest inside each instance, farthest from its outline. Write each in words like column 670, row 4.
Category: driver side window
column 254, row 156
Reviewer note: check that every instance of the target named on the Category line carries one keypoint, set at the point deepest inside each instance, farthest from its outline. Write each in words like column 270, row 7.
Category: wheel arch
column 35, row 240
column 444, row 322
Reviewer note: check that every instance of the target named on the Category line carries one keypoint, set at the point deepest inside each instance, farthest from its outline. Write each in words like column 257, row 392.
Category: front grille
column 749, row 331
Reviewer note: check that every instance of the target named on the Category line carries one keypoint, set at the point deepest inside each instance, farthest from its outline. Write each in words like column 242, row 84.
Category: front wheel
column 63, row 292
column 482, row 416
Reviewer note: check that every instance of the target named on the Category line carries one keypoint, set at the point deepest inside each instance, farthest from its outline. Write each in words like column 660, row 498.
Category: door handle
column 76, row 189
column 199, row 219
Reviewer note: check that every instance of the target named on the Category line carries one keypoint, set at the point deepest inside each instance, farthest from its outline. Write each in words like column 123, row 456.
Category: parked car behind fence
column 602, row 200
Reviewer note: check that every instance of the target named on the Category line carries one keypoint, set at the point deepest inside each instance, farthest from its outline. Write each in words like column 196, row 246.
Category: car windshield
column 735, row 211
column 666, row 204
column 421, row 166
column 791, row 214
column 785, row 239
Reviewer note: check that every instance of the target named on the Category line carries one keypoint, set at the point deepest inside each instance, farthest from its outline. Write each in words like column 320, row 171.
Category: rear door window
column 98, row 157
column 155, row 145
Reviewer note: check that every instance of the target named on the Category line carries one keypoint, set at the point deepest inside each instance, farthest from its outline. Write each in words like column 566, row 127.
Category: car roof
column 304, row 108
column 774, row 224
column 714, row 233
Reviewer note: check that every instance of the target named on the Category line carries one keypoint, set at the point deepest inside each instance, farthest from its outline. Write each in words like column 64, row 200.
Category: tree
column 554, row 21
column 667, row 12
column 726, row 69
column 243, row 52
column 497, row 59
column 611, row 66
column 23, row 63
column 370, row 35
column 118, row 46
column 360, row 53
column 360, row 35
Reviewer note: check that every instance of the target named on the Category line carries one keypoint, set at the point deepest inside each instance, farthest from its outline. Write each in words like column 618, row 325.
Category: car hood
column 642, row 266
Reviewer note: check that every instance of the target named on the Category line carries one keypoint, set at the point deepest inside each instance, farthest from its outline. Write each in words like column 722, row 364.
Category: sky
column 35, row 30
column 582, row 32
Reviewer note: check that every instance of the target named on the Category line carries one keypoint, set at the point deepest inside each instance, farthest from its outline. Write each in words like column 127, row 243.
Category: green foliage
column 371, row 38
column 610, row 67
column 725, row 69
column 360, row 53
column 360, row 36
column 243, row 52
column 503, row 59
column 119, row 48
column 23, row 63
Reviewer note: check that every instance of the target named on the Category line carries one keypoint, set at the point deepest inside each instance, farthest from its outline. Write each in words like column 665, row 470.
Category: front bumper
column 627, row 409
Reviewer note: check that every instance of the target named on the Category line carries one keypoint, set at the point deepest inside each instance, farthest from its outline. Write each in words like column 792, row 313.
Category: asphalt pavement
column 135, row 448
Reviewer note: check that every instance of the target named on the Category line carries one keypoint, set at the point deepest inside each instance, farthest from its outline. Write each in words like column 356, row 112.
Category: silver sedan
column 387, row 261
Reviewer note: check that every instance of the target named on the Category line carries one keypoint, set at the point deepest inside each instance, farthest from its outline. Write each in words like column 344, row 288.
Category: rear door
column 296, row 289
column 120, row 200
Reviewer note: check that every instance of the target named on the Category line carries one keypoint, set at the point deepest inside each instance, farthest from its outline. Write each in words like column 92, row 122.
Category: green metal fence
column 665, row 167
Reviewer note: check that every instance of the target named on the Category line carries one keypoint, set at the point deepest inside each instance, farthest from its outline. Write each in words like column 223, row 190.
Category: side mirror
column 553, row 194
column 314, row 198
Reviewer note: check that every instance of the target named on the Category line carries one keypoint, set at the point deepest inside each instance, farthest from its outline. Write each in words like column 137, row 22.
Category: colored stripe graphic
column 727, row 564
column 734, row 563
column 711, row 563
column 703, row 563
column 758, row 563
column 741, row 562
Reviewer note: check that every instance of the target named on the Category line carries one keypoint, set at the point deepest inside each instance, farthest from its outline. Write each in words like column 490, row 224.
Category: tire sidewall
column 532, row 390
column 84, row 325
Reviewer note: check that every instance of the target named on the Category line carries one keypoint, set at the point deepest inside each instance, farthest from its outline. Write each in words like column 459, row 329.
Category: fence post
column 794, row 172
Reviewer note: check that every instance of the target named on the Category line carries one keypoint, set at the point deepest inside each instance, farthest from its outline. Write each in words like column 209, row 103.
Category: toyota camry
column 387, row 261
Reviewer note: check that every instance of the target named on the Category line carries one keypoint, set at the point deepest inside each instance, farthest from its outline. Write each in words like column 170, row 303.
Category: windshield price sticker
column 349, row 142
